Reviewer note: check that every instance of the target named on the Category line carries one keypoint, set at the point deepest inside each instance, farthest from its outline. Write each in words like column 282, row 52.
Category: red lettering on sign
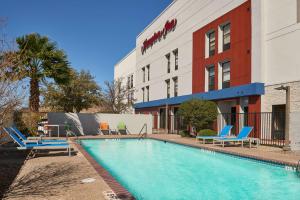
column 156, row 37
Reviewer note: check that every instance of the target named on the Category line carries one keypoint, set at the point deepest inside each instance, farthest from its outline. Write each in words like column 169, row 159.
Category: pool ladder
column 143, row 135
column 298, row 168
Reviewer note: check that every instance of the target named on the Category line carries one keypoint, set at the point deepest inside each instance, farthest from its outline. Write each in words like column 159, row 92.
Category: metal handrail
column 298, row 168
column 143, row 135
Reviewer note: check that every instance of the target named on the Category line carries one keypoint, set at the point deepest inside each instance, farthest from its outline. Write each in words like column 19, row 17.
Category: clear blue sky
column 95, row 34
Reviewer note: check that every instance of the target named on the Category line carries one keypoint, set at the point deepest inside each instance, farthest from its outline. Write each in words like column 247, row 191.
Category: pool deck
column 57, row 176
column 264, row 153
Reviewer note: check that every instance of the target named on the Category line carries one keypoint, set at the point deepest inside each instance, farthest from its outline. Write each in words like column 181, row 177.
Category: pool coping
column 123, row 193
column 228, row 152
column 118, row 189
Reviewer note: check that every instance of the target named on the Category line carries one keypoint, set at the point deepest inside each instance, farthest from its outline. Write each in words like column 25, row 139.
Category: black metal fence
column 269, row 127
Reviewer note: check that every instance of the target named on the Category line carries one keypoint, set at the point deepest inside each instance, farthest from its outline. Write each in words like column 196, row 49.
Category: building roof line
column 125, row 56
column 155, row 19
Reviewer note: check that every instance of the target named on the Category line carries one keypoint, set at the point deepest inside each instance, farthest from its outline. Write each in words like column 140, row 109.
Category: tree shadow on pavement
column 11, row 162
column 44, row 181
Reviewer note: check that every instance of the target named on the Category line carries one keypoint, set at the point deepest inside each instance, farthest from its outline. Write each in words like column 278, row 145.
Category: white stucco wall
column 125, row 67
column 281, row 42
column 88, row 123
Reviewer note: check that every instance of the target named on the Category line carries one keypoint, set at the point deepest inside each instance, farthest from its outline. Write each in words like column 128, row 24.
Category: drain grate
column 110, row 195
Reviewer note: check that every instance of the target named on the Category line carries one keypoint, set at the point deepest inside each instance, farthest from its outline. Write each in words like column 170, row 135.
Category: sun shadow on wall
column 90, row 123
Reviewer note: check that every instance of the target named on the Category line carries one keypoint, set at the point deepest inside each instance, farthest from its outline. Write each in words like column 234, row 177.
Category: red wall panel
column 239, row 53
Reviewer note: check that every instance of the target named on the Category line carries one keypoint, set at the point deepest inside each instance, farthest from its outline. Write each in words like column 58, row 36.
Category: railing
column 298, row 168
column 143, row 135
column 267, row 126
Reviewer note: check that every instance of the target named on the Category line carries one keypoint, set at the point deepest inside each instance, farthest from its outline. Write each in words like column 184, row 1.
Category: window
column 128, row 82
column 147, row 89
column 143, row 69
column 131, row 82
column 175, row 52
column 168, row 64
column 148, row 72
column 226, row 75
column 298, row 11
column 211, row 78
column 226, row 36
column 211, row 43
column 168, row 88
column 130, row 97
column 175, row 80
column 143, row 90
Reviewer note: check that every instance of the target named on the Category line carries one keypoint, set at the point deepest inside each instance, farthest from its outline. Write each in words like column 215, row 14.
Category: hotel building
column 233, row 52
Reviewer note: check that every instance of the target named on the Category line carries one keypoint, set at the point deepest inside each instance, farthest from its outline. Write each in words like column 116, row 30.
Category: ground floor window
column 278, row 121
column 162, row 118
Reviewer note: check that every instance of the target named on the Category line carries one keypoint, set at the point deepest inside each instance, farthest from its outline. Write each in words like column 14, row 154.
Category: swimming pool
column 152, row 169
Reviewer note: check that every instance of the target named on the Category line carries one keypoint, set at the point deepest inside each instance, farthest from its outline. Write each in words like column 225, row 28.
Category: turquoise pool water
column 155, row 170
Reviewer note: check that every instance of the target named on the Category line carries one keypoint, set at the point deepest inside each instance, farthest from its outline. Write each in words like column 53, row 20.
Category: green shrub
column 207, row 132
column 199, row 114
column 27, row 122
column 184, row 133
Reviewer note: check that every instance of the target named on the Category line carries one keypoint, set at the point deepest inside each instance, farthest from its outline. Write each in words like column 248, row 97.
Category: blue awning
column 228, row 93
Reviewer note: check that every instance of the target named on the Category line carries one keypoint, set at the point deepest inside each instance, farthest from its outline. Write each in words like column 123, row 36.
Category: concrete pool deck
column 267, row 153
column 57, row 176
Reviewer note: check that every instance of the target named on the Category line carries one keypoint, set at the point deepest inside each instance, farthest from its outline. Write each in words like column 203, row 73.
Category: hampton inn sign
column 157, row 36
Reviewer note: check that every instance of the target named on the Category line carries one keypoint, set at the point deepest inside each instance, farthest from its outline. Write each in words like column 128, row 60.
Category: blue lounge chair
column 37, row 146
column 224, row 132
column 241, row 137
column 35, row 139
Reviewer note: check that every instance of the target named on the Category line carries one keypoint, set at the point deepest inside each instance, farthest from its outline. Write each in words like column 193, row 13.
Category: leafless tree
column 11, row 89
column 118, row 98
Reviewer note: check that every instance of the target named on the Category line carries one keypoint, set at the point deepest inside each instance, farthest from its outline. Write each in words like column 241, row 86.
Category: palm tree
column 40, row 59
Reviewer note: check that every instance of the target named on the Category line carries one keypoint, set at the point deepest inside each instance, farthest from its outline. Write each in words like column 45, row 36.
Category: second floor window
column 211, row 43
column 131, row 81
column 143, row 91
column 175, row 80
column 226, row 37
column 226, row 75
column 168, row 63
column 211, row 78
column 175, row 52
column 130, row 97
column 168, row 88
column 147, row 89
column 144, row 78
column 128, row 82
column 148, row 72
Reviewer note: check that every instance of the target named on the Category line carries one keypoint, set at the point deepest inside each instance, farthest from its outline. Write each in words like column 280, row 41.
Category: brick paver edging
column 258, row 158
column 118, row 189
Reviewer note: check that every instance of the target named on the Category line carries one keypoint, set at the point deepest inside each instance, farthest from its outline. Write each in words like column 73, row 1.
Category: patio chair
column 241, row 137
column 122, row 128
column 37, row 146
column 34, row 139
column 104, row 128
column 224, row 133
